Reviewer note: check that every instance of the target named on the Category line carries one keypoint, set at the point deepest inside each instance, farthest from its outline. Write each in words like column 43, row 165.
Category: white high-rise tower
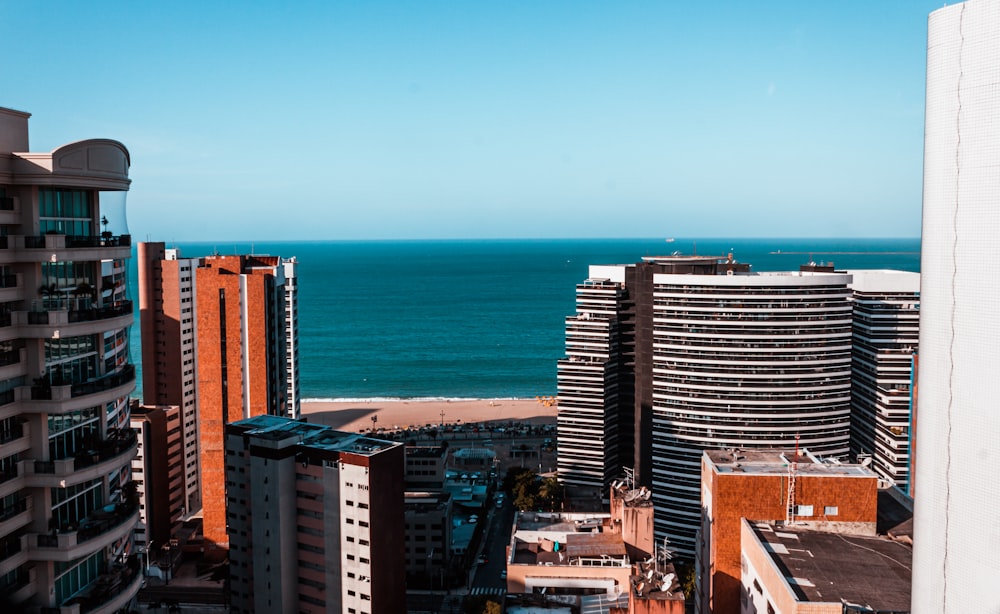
column 957, row 528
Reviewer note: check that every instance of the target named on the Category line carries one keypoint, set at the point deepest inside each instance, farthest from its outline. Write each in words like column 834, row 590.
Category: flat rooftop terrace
column 316, row 436
column 829, row 567
column 774, row 462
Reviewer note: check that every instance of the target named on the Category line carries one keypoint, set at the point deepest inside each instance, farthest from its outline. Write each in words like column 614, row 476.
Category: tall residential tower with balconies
column 67, row 510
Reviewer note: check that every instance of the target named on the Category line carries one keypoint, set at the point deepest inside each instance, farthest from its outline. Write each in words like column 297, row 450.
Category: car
column 483, row 559
column 499, row 503
column 503, row 574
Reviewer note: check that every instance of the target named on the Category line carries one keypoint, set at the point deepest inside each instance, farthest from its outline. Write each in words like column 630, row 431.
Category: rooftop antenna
column 790, row 513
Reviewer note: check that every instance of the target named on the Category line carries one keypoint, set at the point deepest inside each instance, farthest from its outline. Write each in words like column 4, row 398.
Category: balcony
column 56, row 247
column 15, row 516
column 13, row 553
column 110, row 592
column 99, row 529
column 58, row 397
column 20, row 587
column 113, row 452
column 77, row 318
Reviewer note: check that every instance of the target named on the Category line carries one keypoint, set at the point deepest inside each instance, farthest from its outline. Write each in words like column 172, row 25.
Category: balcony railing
column 105, row 383
column 78, row 241
column 100, row 522
column 13, row 510
column 97, row 523
column 42, row 389
column 8, row 474
column 117, row 443
column 104, row 240
column 10, row 546
column 107, row 586
column 16, row 431
column 88, row 314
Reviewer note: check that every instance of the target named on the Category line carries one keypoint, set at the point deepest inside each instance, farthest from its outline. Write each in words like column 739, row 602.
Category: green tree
column 480, row 604
column 551, row 493
column 515, row 476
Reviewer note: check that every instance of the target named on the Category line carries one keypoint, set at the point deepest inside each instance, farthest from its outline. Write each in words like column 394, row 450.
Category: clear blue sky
column 385, row 120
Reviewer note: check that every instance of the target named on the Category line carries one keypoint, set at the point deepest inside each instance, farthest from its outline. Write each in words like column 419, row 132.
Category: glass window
column 65, row 211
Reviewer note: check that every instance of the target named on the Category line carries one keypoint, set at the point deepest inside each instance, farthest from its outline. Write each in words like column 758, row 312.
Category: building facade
column 315, row 519
column 886, row 333
column 220, row 341
column 167, row 311
column 158, row 471
column 712, row 356
column 595, row 440
column 956, row 561
column 67, row 509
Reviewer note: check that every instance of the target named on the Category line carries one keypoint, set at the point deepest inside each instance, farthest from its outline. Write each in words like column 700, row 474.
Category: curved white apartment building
column 66, row 512
column 743, row 361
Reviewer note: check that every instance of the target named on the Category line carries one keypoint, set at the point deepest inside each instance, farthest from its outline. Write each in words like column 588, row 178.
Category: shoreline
column 357, row 414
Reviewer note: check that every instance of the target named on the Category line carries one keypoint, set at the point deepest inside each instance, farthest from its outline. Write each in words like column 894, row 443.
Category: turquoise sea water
column 479, row 319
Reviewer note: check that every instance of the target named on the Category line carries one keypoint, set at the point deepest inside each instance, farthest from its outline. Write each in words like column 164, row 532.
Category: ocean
column 477, row 319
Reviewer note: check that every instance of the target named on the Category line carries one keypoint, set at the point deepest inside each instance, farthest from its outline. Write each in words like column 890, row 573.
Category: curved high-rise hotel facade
column 671, row 356
column 743, row 361
column 67, row 510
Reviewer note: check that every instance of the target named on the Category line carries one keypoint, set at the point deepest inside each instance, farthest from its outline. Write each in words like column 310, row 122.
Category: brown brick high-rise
column 241, row 362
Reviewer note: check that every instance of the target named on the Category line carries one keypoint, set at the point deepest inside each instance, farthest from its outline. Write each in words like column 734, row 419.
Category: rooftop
column 426, row 451
column 566, row 539
column 656, row 582
column 776, row 461
column 314, row 436
column 830, row 567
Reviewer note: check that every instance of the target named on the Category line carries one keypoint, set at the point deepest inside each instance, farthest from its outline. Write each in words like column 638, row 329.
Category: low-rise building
column 790, row 570
column 425, row 467
column 573, row 554
column 655, row 590
column 158, row 471
column 772, row 485
column 428, row 538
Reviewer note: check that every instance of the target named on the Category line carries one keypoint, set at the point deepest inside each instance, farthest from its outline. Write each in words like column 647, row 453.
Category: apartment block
column 158, row 471
column 428, row 517
column 772, row 485
column 220, row 341
column 886, row 333
column 315, row 519
column 67, row 508
column 167, row 312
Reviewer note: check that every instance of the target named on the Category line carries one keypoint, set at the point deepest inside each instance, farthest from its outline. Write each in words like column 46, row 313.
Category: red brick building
column 772, row 485
column 240, row 363
column 219, row 341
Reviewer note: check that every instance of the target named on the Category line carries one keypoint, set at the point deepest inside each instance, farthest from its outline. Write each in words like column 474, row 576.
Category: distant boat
column 670, row 240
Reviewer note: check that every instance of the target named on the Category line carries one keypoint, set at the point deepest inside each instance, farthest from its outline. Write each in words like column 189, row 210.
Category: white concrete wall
column 957, row 528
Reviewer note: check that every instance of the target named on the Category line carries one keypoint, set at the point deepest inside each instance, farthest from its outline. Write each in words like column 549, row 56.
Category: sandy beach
column 357, row 415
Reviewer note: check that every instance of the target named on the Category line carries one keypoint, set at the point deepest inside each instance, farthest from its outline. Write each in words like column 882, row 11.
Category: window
column 831, row 510
column 804, row 510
